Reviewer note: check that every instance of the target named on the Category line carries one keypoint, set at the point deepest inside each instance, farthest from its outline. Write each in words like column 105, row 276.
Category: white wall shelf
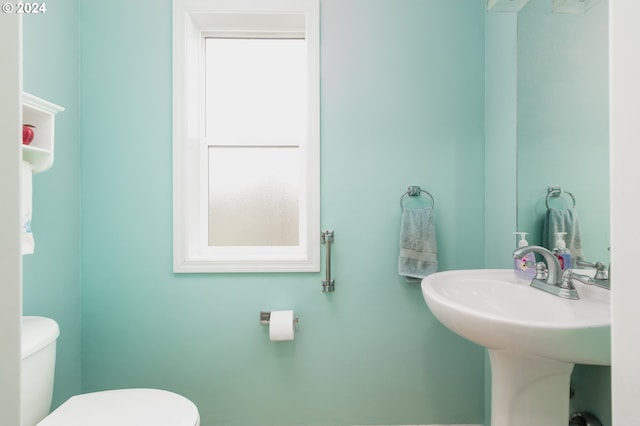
column 40, row 114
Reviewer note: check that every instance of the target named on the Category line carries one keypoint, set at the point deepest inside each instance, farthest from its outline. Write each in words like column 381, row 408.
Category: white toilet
column 122, row 407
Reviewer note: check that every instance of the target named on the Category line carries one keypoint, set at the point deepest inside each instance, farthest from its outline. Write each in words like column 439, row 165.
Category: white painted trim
column 192, row 20
column 10, row 241
column 624, row 92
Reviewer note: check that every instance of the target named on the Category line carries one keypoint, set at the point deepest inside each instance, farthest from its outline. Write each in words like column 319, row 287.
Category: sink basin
column 495, row 309
column 534, row 338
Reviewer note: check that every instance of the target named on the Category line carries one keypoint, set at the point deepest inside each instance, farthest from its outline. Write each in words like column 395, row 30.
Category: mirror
column 563, row 120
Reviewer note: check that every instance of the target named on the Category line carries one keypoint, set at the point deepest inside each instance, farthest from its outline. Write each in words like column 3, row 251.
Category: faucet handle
column 541, row 271
column 570, row 275
column 585, row 264
column 567, row 279
column 601, row 268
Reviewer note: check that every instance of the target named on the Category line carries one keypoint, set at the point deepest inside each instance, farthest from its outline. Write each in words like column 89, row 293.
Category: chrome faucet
column 548, row 278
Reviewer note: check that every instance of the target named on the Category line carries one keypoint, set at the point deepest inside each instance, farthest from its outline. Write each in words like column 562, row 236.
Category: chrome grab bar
column 328, row 284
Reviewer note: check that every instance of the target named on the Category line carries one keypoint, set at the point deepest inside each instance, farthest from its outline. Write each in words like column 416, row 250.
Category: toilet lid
column 125, row 407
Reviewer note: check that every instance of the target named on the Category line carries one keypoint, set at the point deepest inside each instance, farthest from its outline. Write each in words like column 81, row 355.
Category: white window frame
column 192, row 21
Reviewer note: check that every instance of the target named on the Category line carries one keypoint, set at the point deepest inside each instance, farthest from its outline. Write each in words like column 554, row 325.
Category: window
column 246, row 136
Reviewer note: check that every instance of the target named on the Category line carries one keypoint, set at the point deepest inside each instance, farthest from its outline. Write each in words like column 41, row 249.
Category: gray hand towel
column 418, row 247
column 563, row 220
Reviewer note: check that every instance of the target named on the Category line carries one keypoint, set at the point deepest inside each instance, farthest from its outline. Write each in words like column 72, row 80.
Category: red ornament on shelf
column 27, row 134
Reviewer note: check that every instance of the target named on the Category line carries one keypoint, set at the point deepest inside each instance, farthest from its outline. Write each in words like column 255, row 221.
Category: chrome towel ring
column 556, row 191
column 416, row 191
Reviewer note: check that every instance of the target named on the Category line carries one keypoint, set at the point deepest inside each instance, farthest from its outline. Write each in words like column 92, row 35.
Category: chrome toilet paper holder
column 265, row 318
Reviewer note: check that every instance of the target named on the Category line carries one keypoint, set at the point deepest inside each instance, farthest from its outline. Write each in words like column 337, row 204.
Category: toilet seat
column 125, row 407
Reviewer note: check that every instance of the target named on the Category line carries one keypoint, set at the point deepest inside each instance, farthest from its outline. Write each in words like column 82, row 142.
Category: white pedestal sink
column 533, row 338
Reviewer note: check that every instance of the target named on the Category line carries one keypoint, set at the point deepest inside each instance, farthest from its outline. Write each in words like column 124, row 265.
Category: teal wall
column 52, row 274
column 501, row 88
column 402, row 104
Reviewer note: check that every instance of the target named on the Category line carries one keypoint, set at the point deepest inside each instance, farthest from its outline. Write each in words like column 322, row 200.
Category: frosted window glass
column 256, row 89
column 254, row 196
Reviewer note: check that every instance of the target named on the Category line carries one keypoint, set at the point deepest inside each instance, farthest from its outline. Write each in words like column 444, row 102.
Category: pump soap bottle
column 562, row 252
column 525, row 267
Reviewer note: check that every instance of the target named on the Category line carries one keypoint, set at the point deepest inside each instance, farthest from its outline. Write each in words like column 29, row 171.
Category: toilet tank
column 38, row 352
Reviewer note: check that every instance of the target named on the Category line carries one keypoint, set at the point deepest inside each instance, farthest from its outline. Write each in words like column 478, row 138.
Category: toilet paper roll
column 281, row 326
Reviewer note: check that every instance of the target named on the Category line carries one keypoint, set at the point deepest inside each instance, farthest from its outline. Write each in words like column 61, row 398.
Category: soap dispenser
column 562, row 252
column 524, row 267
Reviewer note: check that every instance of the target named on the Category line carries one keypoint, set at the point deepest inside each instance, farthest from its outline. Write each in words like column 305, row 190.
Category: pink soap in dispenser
column 562, row 252
column 525, row 267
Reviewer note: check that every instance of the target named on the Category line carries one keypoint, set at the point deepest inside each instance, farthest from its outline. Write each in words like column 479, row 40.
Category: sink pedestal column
column 528, row 391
